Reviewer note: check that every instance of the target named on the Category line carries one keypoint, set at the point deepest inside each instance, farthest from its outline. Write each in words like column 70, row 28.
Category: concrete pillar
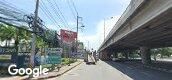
column 100, row 55
column 115, row 55
column 104, row 55
column 108, row 56
column 145, row 55
column 126, row 55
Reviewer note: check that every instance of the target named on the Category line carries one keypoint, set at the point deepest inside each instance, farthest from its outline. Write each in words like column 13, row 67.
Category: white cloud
column 95, row 40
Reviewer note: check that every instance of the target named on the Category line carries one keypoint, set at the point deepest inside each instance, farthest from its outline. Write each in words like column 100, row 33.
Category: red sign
column 68, row 36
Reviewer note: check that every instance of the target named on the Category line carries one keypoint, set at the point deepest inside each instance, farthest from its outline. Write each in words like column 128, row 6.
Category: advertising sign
column 8, row 55
column 53, row 55
column 23, row 59
column 68, row 36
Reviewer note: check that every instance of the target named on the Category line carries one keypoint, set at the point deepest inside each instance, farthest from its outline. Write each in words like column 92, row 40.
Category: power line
column 14, row 7
column 73, row 13
column 10, row 9
column 49, row 17
column 11, row 14
column 61, row 12
column 74, row 7
column 46, row 12
column 57, row 14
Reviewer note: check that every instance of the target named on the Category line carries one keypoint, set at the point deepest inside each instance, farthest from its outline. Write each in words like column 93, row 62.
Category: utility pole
column 34, row 35
column 77, row 27
column 104, row 29
column 77, row 23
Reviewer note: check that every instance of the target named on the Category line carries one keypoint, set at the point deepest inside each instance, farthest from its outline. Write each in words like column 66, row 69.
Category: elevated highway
column 144, row 25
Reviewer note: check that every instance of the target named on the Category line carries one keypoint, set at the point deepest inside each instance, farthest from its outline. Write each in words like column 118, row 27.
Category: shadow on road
column 137, row 71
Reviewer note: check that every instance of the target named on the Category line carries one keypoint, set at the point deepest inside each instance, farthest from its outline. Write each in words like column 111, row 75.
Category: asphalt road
column 113, row 71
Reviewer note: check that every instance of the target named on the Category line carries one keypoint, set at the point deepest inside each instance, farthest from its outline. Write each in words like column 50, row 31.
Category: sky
column 93, row 13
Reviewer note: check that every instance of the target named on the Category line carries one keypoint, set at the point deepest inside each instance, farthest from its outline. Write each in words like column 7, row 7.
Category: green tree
column 154, row 53
column 7, row 33
column 165, row 52
column 162, row 51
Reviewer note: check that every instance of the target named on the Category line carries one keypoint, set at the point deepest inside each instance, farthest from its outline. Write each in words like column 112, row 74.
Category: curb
column 71, row 68
column 57, row 74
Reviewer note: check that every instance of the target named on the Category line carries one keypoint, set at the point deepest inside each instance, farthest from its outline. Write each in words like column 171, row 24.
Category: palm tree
column 7, row 33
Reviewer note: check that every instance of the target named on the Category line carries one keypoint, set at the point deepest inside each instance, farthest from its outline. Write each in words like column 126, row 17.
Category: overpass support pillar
column 104, row 55
column 126, row 55
column 145, row 55
column 101, row 55
column 115, row 55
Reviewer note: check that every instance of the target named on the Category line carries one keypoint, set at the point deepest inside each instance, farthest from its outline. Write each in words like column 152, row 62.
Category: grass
column 66, row 61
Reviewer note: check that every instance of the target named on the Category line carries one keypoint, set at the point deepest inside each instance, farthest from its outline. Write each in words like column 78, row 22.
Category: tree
column 7, row 33
column 162, row 51
column 165, row 52
column 154, row 52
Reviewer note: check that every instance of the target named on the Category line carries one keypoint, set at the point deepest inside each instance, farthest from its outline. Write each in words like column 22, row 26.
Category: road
column 113, row 71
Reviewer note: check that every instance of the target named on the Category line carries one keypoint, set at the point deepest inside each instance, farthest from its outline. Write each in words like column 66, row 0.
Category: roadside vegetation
column 157, row 53
column 67, row 61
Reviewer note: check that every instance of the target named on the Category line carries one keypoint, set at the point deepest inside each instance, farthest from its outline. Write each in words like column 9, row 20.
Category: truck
column 89, row 59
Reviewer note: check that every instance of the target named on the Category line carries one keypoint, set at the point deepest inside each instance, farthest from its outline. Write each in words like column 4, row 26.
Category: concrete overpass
column 144, row 25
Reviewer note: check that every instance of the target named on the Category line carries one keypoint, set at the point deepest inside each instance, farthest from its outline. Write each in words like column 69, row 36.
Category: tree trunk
column 154, row 57
column 6, row 43
column 16, row 40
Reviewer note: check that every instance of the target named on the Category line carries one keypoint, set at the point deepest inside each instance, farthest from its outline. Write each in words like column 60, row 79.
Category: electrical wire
column 56, row 13
column 72, row 11
column 74, row 7
column 60, row 12
column 46, row 12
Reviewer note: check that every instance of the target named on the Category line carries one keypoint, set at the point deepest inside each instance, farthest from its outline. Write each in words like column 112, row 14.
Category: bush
column 66, row 61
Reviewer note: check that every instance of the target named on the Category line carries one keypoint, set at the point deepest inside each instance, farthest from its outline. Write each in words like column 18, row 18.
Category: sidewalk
column 56, row 73
column 51, row 74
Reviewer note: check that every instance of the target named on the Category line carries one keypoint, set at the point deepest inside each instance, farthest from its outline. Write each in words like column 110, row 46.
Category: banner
column 53, row 55
column 68, row 36
column 23, row 59
column 8, row 55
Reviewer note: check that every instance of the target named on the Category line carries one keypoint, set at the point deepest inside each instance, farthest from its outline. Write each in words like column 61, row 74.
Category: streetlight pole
column 34, row 36
column 104, row 27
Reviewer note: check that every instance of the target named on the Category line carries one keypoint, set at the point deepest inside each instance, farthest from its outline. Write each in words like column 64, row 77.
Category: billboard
column 53, row 55
column 68, row 36
column 8, row 55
